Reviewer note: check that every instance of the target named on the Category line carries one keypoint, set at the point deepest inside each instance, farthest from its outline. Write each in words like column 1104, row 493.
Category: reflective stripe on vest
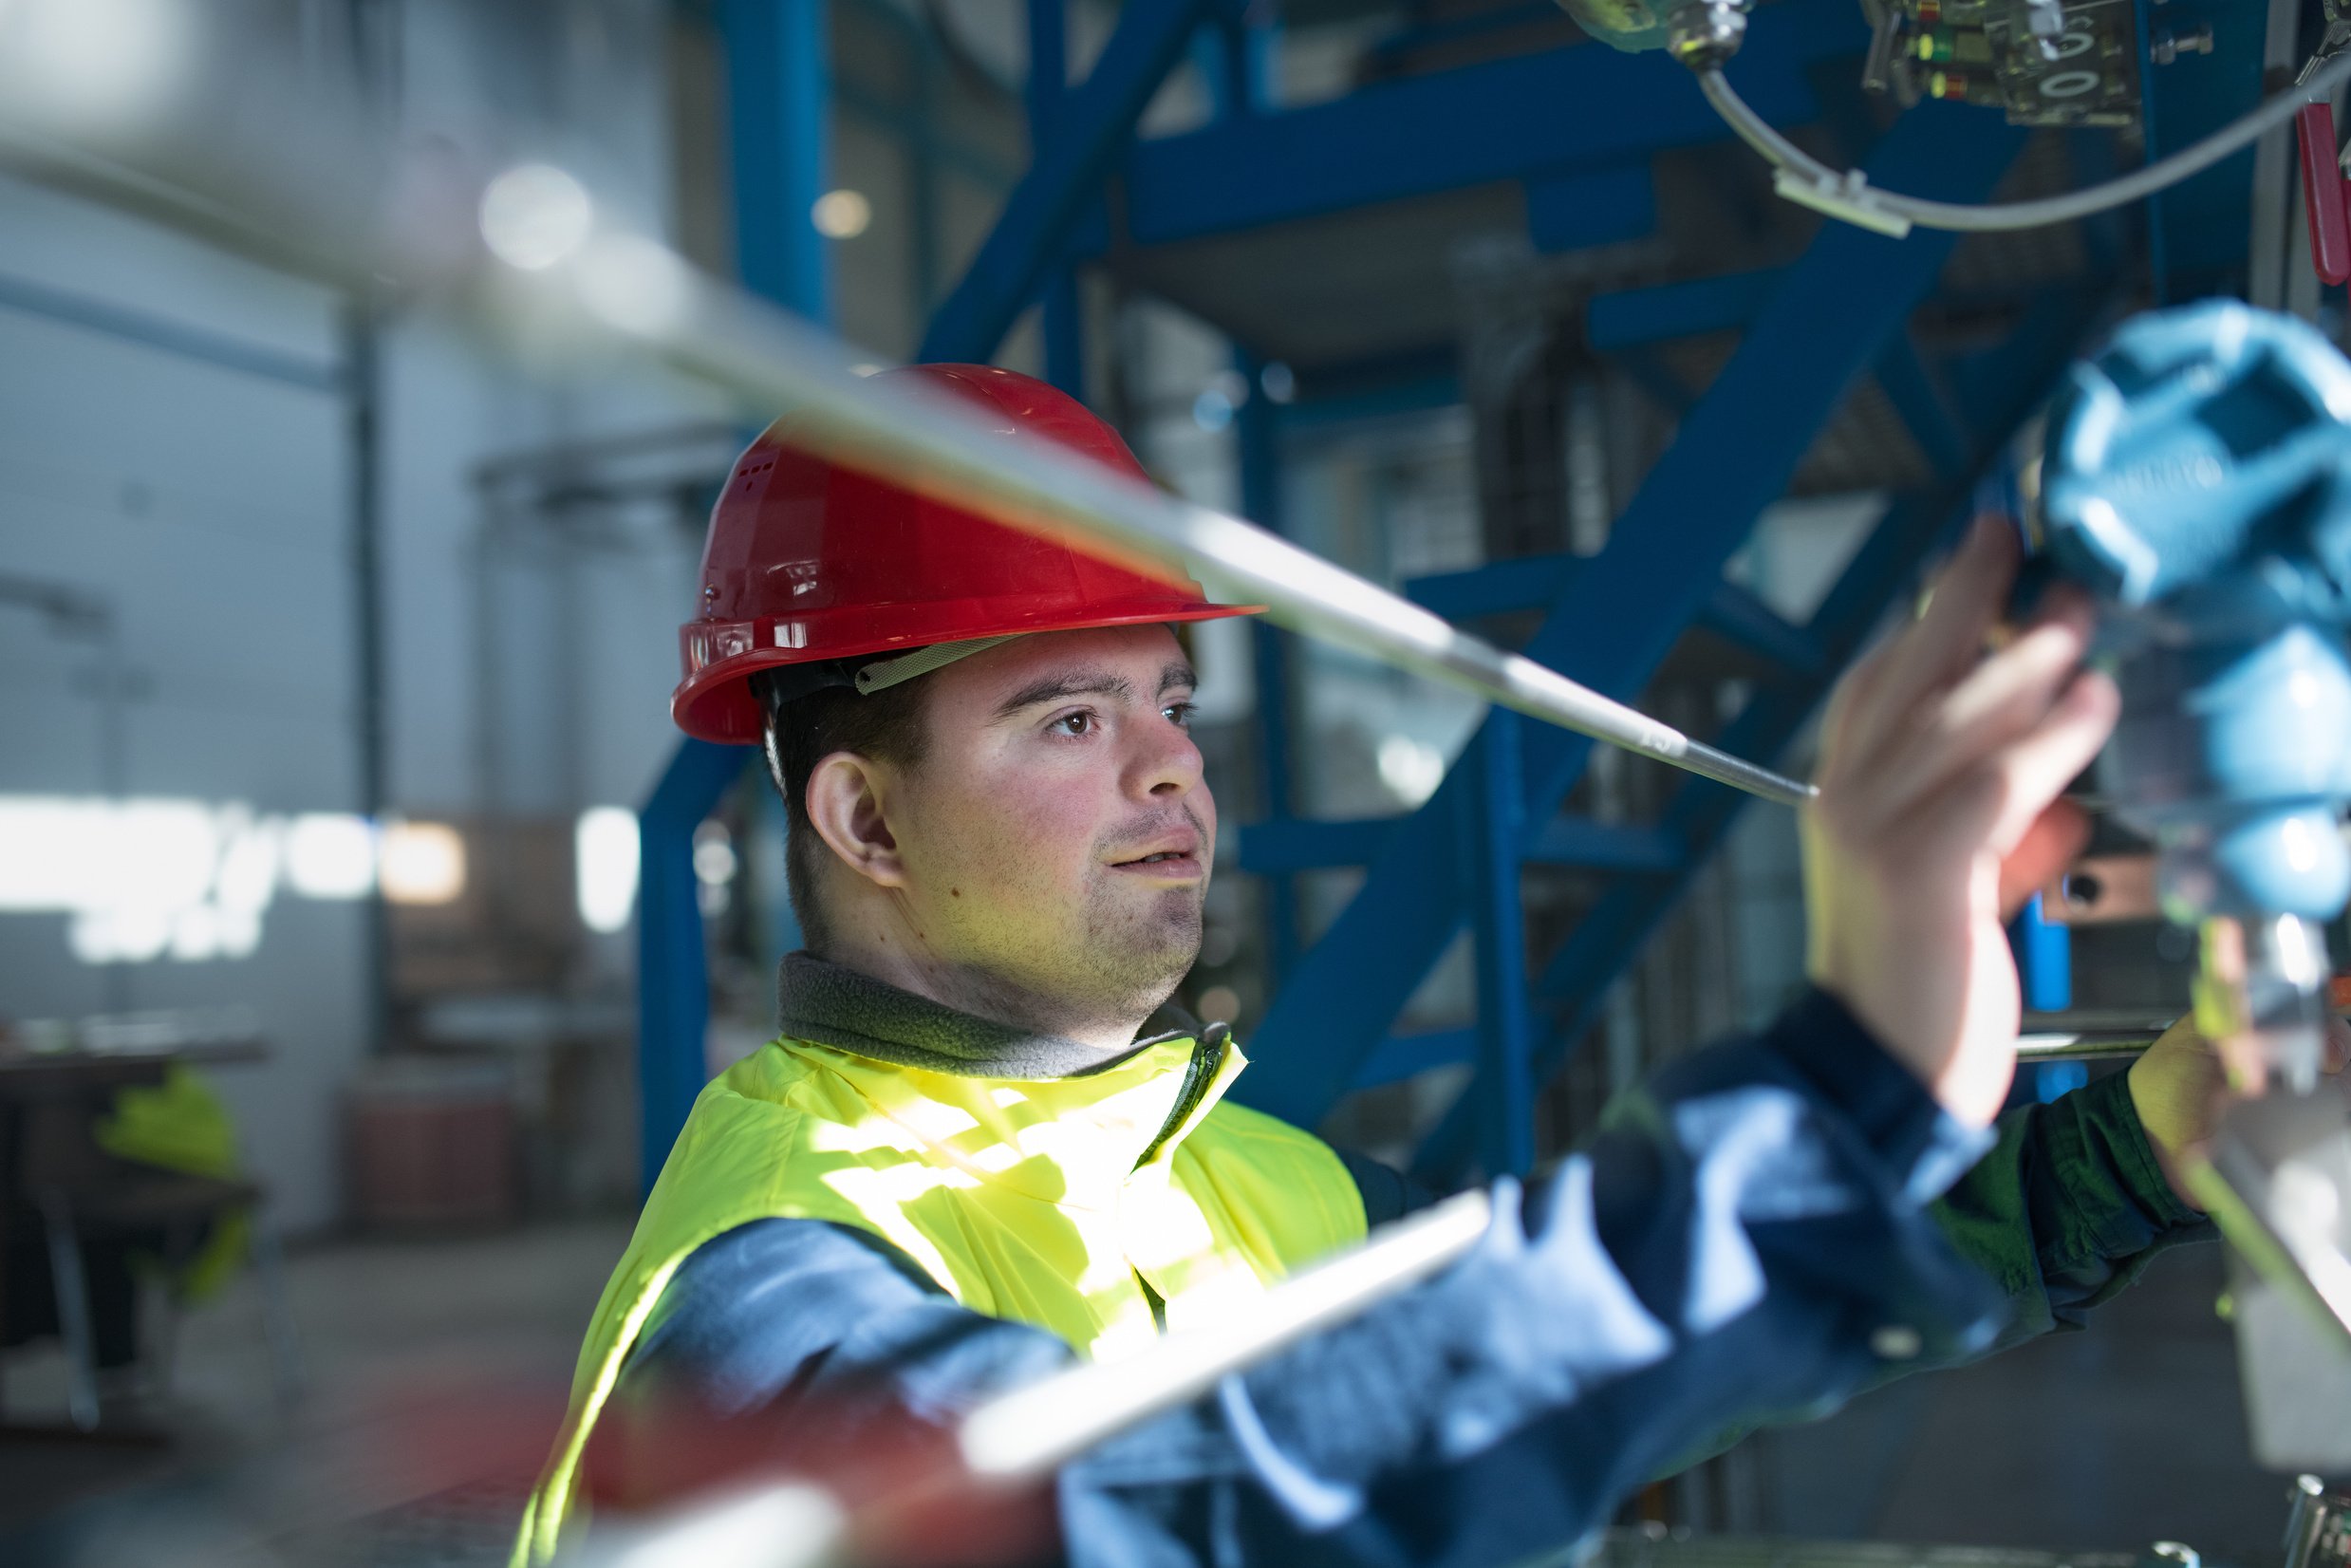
column 1025, row 1199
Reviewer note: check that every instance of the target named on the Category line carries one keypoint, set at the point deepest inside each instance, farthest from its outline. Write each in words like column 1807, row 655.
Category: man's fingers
column 2000, row 698
column 1991, row 806
column 1965, row 600
column 2039, row 766
column 2047, row 848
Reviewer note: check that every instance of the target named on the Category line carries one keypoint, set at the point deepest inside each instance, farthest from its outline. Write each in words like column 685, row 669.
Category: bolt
column 2169, row 47
column 1703, row 34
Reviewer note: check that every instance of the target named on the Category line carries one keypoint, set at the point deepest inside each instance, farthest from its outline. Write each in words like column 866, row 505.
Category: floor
column 433, row 1372
column 2107, row 1440
column 437, row 1368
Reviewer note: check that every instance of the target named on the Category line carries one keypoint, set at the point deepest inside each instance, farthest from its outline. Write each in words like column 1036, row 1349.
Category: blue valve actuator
column 2196, row 479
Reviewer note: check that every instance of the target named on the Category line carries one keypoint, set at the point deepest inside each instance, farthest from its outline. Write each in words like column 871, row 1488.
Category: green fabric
column 2068, row 1209
column 181, row 1125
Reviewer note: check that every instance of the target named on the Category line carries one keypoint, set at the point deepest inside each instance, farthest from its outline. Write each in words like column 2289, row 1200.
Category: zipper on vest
column 1207, row 1055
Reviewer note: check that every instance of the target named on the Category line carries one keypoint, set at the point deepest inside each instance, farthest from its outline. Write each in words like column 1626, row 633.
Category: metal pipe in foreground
column 1025, row 1435
column 2087, row 1046
column 544, row 270
column 628, row 286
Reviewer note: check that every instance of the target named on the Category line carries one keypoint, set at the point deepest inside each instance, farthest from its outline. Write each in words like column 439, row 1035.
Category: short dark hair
column 801, row 732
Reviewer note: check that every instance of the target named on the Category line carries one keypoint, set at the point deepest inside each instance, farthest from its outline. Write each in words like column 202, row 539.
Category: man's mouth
column 1176, row 861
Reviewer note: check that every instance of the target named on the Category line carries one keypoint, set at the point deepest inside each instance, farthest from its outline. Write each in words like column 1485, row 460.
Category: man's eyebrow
column 1065, row 683
column 1178, row 673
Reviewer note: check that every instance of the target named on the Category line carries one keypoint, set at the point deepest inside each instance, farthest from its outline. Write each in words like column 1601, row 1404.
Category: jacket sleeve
column 1751, row 1232
column 2069, row 1207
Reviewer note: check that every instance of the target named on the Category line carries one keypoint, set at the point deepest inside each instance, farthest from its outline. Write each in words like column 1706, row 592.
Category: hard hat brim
column 715, row 702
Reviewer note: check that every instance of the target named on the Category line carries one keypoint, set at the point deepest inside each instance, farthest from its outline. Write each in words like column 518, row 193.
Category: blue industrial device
column 1224, row 220
column 2198, row 477
column 2197, row 480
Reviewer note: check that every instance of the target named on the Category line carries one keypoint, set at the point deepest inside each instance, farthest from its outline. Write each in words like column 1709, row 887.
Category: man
column 976, row 1151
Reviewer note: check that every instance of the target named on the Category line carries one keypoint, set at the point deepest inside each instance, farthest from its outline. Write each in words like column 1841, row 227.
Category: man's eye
column 1180, row 714
column 1080, row 722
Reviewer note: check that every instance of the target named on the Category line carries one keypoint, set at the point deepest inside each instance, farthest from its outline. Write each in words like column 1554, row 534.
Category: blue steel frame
column 779, row 106
column 1827, row 321
column 1810, row 329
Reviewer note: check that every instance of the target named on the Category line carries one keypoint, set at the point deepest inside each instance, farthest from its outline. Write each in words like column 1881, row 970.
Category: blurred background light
column 94, row 62
column 331, row 854
column 536, row 215
column 842, row 215
column 605, row 849
column 632, row 283
column 1411, row 769
column 422, row 863
column 714, row 854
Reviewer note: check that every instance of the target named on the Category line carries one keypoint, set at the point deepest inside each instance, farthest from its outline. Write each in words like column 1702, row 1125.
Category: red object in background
column 2338, row 991
column 811, row 559
column 432, row 1145
column 2323, row 194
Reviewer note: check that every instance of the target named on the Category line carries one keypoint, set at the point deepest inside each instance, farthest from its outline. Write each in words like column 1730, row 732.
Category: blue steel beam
column 1402, row 1057
column 779, row 114
column 1033, row 232
column 1489, row 827
column 1634, row 318
column 1532, row 582
column 1581, row 844
column 1924, row 404
column 1322, row 844
column 1617, row 618
column 779, row 109
column 1580, row 211
column 673, row 971
column 1063, row 320
column 1258, row 435
column 1528, row 116
column 2008, row 385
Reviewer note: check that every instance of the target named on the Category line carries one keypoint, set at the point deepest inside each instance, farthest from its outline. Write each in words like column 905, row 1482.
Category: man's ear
column 845, row 806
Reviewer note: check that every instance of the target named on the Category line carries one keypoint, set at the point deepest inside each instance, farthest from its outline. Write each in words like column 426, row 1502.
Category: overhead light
column 842, row 215
column 422, row 863
column 605, row 850
column 714, row 855
column 331, row 856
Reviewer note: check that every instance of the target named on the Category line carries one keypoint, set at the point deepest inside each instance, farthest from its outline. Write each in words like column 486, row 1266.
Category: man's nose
column 1167, row 764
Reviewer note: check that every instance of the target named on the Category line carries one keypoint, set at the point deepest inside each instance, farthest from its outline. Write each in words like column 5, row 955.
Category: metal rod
column 2084, row 1047
column 1032, row 1432
column 629, row 287
column 1025, row 1436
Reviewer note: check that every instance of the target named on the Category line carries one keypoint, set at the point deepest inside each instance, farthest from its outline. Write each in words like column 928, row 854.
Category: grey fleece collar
column 854, row 1012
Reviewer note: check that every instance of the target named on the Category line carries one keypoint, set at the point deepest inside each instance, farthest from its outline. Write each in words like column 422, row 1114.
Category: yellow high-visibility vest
column 1025, row 1199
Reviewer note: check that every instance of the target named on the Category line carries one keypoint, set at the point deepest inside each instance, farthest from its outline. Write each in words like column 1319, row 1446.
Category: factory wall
column 177, row 464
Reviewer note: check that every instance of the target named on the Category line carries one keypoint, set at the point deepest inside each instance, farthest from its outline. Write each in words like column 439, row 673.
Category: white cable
column 1849, row 195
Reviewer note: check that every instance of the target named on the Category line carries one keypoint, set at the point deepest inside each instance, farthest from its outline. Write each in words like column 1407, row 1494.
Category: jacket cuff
column 2106, row 1118
column 1883, row 1102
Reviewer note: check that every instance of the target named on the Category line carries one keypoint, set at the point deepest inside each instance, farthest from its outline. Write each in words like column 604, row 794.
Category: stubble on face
column 1112, row 959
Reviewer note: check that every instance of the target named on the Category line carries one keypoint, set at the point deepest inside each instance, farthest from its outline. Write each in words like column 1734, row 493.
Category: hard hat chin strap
column 886, row 673
column 781, row 686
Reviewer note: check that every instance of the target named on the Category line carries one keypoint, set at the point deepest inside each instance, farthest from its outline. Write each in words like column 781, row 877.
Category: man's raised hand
column 1938, row 814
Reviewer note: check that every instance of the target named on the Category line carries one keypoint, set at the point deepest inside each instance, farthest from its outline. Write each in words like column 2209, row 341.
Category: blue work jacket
column 1761, row 1229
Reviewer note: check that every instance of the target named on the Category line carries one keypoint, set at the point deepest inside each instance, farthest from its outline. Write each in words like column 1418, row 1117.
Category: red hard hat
column 809, row 560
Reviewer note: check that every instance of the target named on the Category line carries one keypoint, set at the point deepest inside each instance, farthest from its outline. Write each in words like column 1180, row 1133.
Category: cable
column 1849, row 195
